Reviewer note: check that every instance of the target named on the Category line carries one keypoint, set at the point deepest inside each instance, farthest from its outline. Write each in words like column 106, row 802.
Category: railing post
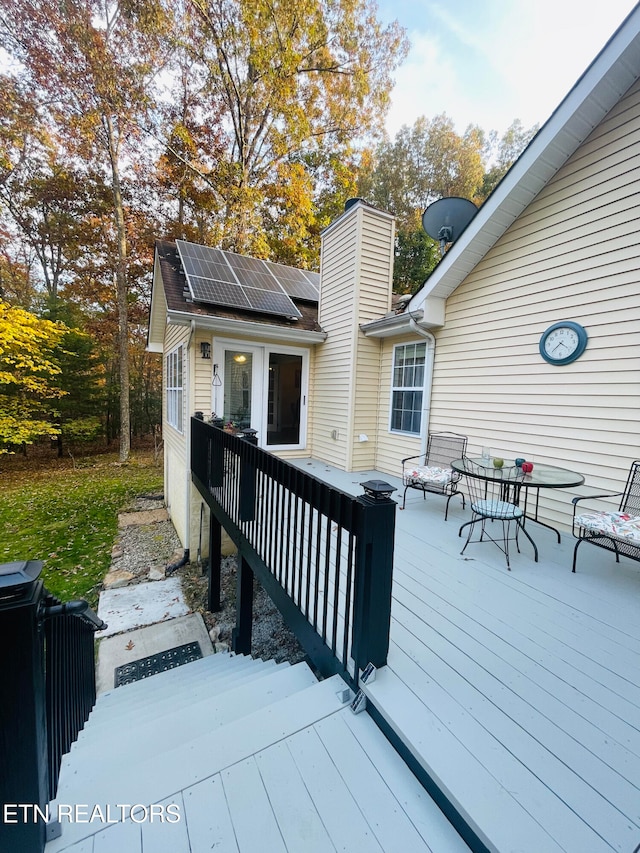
column 373, row 575
column 241, row 635
column 215, row 558
column 23, row 734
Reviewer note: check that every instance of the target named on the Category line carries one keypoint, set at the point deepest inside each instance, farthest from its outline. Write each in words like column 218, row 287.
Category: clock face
column 563, row 342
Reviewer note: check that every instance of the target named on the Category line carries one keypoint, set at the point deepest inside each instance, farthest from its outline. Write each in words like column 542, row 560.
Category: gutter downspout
column 187, row 515
column 431, row 350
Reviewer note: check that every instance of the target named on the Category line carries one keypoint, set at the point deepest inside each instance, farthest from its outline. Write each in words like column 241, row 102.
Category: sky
column 488, row 62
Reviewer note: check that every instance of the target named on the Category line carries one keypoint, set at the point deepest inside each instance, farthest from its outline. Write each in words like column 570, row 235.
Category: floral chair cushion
column 619, row 525
column 428, row 474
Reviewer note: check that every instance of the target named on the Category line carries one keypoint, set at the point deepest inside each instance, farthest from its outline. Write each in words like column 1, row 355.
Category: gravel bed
column 140, row 549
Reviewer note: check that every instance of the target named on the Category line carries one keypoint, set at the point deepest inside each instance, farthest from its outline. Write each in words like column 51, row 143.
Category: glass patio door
column 284, row 398
column 241, row 388
column 261, row 388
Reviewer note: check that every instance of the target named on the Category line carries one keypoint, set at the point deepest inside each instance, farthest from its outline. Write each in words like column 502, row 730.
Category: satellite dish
column 446, row 219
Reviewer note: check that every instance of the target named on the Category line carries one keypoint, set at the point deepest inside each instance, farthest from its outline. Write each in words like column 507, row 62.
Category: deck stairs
column 252, row 756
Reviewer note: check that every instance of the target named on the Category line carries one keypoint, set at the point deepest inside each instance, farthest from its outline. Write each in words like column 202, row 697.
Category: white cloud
column 490, row 63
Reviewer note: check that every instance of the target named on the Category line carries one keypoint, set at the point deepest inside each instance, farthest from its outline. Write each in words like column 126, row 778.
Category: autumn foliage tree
column 423, row 163
column 244, row 124
column 28, row 375
column 89, row 66
column 288, row 86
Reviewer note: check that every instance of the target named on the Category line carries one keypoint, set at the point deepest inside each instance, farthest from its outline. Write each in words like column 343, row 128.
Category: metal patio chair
column 431, row 471
column 615, row 530
column 493, row 495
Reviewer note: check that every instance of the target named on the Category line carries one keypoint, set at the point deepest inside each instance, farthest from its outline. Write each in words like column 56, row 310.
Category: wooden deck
column 517, row 692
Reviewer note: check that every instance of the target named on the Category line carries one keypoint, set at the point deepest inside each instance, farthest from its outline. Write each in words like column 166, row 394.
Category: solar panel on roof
column 219, row 292
column 268, row 301
column 299, row 284
column 253, row 274
column 236, row 281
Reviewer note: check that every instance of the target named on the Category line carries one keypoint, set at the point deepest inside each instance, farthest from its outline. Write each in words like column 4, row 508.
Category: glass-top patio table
column 541, row 477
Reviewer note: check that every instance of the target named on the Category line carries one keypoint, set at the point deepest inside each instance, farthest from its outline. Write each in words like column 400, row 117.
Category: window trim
column 394, row 388
column 174, row 388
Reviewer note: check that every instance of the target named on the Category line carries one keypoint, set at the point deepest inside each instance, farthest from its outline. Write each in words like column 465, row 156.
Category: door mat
column 138, row 669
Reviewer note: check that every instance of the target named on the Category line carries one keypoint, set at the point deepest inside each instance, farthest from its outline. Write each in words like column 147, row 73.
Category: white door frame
column 260, row 384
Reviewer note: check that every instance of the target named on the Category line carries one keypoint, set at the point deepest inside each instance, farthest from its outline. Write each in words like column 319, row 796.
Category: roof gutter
column 264, row 331
column 389, row 326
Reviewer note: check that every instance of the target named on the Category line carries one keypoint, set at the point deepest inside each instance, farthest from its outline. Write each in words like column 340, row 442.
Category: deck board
column 207, row 817
column 253, row 819
column 511, row 677
column 343, row 820
column 293, row 806
column 518, row 692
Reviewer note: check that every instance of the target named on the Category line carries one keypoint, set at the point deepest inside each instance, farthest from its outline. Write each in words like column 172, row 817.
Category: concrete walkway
column 143, row 618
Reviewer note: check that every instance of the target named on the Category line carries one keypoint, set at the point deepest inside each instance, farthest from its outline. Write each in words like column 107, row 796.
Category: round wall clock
column 563, row 342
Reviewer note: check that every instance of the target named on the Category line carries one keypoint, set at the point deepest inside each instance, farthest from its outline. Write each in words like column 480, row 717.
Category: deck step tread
column 169, row 771
column 140, row 691
column 176, row 696
column 136, row 742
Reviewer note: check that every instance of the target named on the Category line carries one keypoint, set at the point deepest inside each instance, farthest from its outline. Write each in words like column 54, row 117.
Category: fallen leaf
column 130, row 645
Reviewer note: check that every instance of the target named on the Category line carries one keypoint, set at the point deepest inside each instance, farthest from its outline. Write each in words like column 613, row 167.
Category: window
column 174, row 389
column 407, row 387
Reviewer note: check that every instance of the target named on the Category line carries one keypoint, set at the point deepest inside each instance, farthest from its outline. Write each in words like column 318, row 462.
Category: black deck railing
column 47, row 665
column 324, row 556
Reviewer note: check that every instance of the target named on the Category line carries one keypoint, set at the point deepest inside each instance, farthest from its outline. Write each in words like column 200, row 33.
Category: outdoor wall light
column 205, row 349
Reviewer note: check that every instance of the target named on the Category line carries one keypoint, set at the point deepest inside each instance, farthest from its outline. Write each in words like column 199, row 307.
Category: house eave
column 244, row 328
column 430, row 317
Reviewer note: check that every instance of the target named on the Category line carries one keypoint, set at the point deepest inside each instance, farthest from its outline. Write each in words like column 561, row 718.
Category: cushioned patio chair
column 615, row 530
column 431, row 471
column 493, row 495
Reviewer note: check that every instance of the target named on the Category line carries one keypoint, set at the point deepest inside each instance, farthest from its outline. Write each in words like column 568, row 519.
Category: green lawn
column 68, row 517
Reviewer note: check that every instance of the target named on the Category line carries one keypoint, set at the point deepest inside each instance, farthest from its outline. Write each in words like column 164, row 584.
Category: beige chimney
column 356, row 270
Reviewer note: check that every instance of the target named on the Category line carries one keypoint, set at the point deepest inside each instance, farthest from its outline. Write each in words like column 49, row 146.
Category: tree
column 285, row 81
column 424, row 163
column 77, row 410
column 28, row 373
column 90, row 66
column 505, row 153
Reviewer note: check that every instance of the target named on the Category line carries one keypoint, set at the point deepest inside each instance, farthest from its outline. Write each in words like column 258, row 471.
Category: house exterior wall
column 175, row 443
column 392, row 447
column 574, row 254
column 373, row 301
column 356, row 273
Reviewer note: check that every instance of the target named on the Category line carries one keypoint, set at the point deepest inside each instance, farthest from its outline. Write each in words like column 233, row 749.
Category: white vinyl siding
column 407, row 388
column 356, row 270
column 373, row 302
column 175, row 389
column 572, row 255
column 332, row 390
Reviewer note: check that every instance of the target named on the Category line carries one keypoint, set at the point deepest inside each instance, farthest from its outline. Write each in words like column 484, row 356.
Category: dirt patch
column 270, row 636
column 148, row 516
